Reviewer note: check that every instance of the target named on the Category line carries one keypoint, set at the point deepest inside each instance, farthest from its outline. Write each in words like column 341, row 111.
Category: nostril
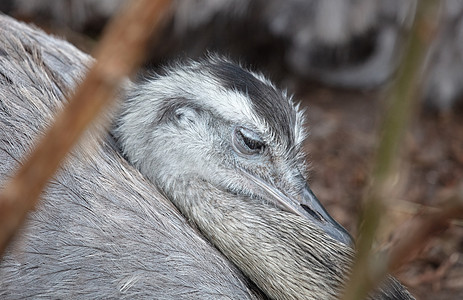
column 312, row 212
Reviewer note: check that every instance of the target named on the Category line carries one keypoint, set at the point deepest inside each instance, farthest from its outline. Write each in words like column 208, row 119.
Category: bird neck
column 285, row 255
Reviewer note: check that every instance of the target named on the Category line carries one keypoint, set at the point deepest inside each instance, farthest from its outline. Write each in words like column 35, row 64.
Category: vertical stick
column 367, row 273
column 117, row 56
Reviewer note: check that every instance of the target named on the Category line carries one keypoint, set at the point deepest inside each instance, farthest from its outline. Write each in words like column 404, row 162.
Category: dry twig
column 368, row 271
column 118, row 55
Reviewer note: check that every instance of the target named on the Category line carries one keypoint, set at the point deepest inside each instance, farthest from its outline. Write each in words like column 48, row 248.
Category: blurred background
column 338, row 57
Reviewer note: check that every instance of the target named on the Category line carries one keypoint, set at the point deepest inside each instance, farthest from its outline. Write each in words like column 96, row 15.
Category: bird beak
column 314, row 210
column 305, row 205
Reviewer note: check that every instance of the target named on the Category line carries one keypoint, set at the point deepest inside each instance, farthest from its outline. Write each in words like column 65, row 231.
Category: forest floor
column 343, row 134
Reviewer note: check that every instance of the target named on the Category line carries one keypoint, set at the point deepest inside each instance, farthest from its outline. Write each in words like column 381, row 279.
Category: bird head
column 213, row 127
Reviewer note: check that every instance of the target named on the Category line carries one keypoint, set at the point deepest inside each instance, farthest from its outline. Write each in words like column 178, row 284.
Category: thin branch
column 402, row 100
column 117, row 56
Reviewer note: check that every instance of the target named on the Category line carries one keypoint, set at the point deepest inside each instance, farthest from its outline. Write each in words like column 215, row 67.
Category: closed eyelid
column 247, row 142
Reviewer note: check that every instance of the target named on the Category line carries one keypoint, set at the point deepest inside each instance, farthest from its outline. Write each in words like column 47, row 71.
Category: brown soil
column 343, row 134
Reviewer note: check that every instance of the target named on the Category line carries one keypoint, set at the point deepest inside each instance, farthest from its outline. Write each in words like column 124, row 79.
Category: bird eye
column 246, row 141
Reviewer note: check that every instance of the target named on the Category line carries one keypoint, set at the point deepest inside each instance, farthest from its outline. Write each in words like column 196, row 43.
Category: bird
column 226, row 147
column 220, row 142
